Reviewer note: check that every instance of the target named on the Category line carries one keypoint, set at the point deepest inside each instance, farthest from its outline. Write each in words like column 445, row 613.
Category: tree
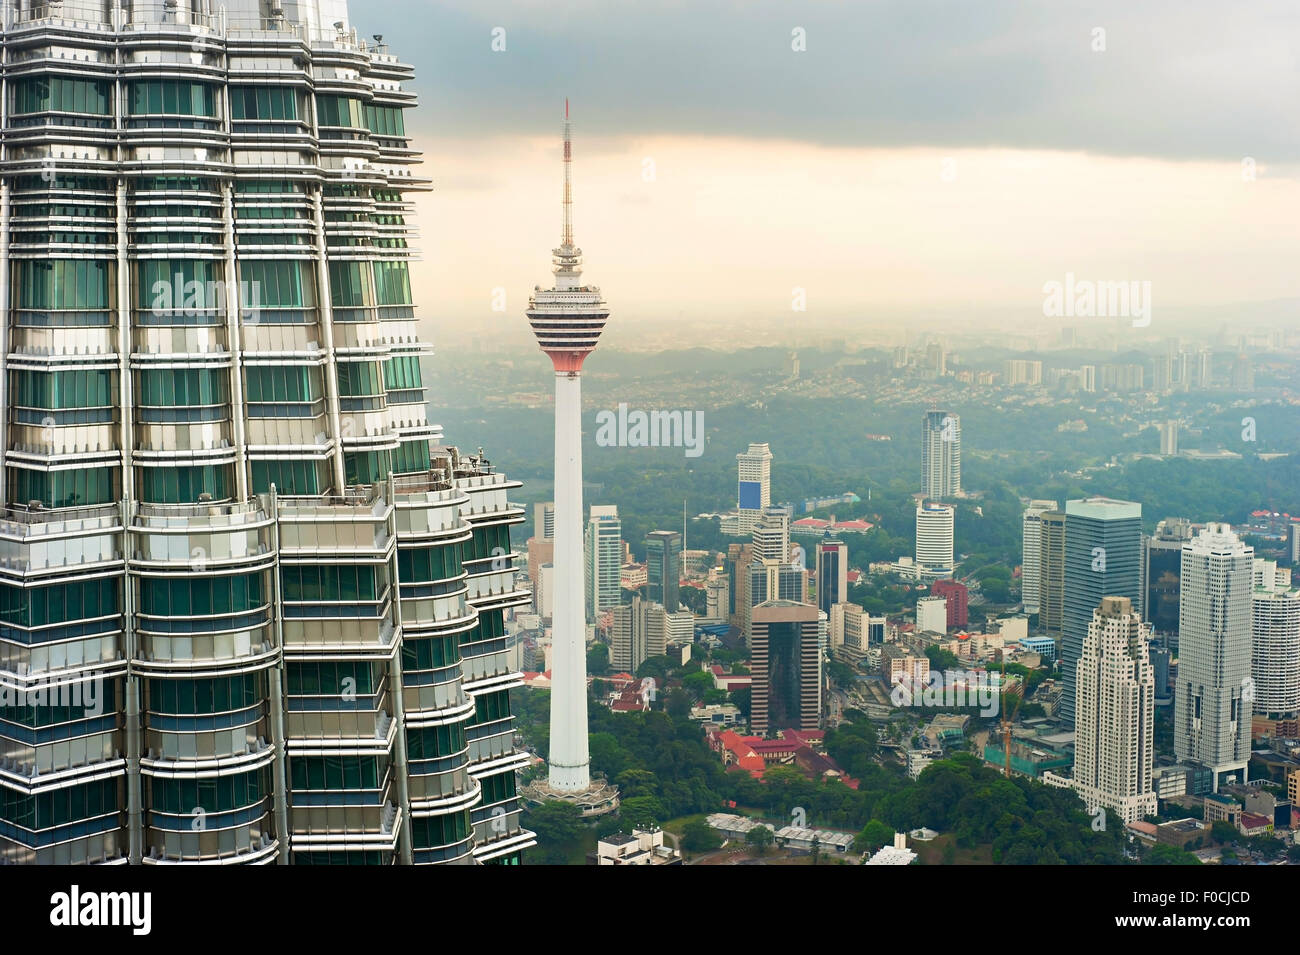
column 1224, row 833
column 642, row 812
column 559, row 829
column 598, row 659
column 759, row 838
column 699, row 836
column 873, row 837
column 698, row 683
column 1161, row 854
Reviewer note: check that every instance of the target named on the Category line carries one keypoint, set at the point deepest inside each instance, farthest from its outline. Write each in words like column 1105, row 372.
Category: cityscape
column 310, row 558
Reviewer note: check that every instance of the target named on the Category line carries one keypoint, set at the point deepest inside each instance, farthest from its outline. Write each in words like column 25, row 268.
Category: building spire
column 566, row 239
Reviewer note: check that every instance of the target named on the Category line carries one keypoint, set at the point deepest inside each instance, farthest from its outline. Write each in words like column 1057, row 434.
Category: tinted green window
column 491, row 706
column 265, row 284
column 385, row 120
column 76, row 488
column 339, row 111
column 429, row 653
column 308, row 773
column 60, row 806
column 55, row 390
column 348, row 288
column 492, row 540
column 402, row 372
column 167, row 284
column 430, row 831
column 215, row 794
column 283, row 383
column 435, row 741
column 428, row 563
column 498, row 788
column 263, row 102
column 147, row 97
column 392, row 283
column 63, row 283
column 39, row 94
column 218, row 695
column 329, row 679
column 183, row 485
column 369, row 467
column 60, row 603
column 289, row 477
column 359, row 379
column 201, row 596
column 411, row 456
column 333, row 582
column 169, row 387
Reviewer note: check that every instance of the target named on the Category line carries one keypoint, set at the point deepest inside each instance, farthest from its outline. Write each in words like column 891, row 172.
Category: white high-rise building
column 934, row 535
column 1031, row 550
column 1169, row 438
column 932, row 615
column 1213, row 694
column 940, row 454
column 772, row 535
column 1275, row 642
column 639, row 630
column 604, row 559
column 1115, row 713
column 753, row 485
column 544, row 520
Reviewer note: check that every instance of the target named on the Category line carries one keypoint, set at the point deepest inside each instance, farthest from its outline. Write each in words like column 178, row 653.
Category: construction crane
column 1008, row 721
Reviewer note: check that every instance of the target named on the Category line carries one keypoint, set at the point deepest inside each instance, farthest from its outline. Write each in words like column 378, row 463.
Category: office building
column 638, row 630
column 934, row 538
column 603, row 563
column 1162, row 561
column 1103, row 555
column 932, row 615
column 753, row 486
column 663, row 552
column 832, row 574
column 1212, row 716
column 1051, row 572
column 1031, row 539
column 786, row 666
column 957, row 597
column 1169, row 438
column 544, row 520
column 1115, row 713
column 940, row 454
column 772, row 535
column 1021, row 371
column 226, row 507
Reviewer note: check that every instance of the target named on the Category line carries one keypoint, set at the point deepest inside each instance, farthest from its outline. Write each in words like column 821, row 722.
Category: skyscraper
column 753, row 485
column 1051, row 572
column 1162, row 561
column 603, row 553
column 934, row 544
column 229, row 518
column 772, row 535
column 1103, row 552
column 832, row 574
column 1031, row 547
column 1212, row 717
column 567, row 320
column 786, row 663
column 544, row 520
column 663, row 552
column 1115, row 713
column 1275, row 645
column 638, row 631
column 940, row 454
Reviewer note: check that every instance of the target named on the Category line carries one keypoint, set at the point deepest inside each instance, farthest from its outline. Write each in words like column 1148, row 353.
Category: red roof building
column 957, row 595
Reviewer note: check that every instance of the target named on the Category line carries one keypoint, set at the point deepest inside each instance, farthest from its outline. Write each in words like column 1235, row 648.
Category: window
column 369, row 467
column 214, row 794
column 171, row 96
column 63, row 283
column 61, row 603
column 193, row 697
column 327, row 679
column 283, row 383
column 402, row 372
column 183, row 485
column 168, row 285
column 76, row 488
column 263, row 102
column 411, row 456
column 359, row 379
column 491, row 540
column 428, row 563
column 289, row 477
column 59, row 807
column 434, row 742
column 385, row 120
column 53, row 390
column 430, row 831
column 491, row 706
column 334, row 582
column 348, row 288
column 429, row 653
column 201, row 596
column 392, row 283
column 339, row 111
column 319, row 773
column 62, row 94
column 169, row 387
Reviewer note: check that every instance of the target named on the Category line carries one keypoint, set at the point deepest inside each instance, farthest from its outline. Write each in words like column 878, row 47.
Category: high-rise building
column 544, row 520
column 753, row 485
column 832, row 574
column 567, row 320
column 934, row 544
column 771, row 580
column 229, row 518
column 1203, row 369
column 604, row 559
column 1103, row 556
column 940, row 454
column 1022, row 371
column 1275, row 643
column 663, row 551
column 1114, row 738
column 932, row 615
column 957, row 597
column 1162, row 561
column 717, row 595
column 1212, row 716
column 638, row 631
column 1031, row 546
column 936, row 359
column 786, row 664
column 1051, row 573
column 1088, row 378
column 772, row 535
column 1169, row 438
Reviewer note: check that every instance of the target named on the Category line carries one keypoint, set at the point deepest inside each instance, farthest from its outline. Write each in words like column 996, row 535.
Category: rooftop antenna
column 566, row 240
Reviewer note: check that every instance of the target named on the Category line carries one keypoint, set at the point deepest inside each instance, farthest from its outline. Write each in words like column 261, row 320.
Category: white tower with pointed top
column 567, row 320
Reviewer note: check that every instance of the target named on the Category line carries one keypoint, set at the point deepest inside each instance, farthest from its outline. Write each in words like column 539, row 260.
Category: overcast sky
column 915, row 151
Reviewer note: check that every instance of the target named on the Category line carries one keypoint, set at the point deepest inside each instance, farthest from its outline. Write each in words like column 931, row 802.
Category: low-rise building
column 641, row 847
